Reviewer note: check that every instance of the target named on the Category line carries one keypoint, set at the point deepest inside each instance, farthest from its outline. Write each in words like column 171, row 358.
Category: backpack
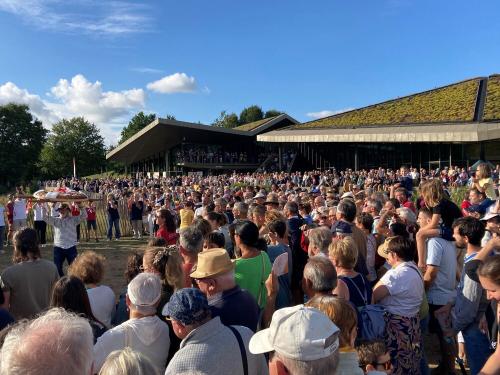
column 371, row 318
column 372, row 322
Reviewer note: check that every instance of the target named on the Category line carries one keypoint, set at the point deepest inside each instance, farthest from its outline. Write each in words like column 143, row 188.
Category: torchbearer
column 65, row 239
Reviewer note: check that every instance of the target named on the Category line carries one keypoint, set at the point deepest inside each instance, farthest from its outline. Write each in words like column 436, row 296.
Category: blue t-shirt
column 442, row 254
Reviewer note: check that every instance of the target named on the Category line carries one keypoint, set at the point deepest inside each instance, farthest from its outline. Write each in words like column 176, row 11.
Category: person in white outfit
column 144, row 332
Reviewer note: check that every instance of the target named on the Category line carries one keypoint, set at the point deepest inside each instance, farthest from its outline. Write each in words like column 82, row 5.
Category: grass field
column 116, row 253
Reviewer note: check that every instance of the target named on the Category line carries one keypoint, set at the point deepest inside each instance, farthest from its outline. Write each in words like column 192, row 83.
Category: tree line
column 28, row 151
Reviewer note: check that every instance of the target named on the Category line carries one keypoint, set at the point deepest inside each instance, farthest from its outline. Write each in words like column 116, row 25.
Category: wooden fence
column 101, row 221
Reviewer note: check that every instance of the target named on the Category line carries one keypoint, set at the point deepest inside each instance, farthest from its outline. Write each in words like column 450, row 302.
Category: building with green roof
column 454, row 124
column 458, row 123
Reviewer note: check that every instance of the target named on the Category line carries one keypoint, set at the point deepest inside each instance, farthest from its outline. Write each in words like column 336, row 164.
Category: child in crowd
column 444, row 213
column 374, row 359
column 483, row 181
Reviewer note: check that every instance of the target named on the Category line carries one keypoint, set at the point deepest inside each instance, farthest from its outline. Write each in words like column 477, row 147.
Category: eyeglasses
column 387, row 365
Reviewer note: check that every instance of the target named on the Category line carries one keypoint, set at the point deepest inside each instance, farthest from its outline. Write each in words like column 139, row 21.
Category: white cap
column 298, row 332
column 144, row 289
column 490, row 215
column 347, row 195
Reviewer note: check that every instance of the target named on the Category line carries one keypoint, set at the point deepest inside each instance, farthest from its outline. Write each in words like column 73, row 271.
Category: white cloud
column 326, row 113
column 79, row 97
column 146, row 70
column 90, row 17
column 175, row 83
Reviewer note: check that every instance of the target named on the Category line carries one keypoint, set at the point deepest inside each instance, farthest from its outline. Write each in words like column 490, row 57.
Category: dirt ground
column 116, row 253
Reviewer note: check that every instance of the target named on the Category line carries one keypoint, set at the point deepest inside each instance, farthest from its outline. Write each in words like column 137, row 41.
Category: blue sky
column 107, row 60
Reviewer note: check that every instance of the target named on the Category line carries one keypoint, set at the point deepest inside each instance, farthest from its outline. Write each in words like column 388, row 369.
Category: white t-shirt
column 148, row 336
column 2, row 217
column 37, row 212
column 102, row 302
column 406, row 289
column 20, row 209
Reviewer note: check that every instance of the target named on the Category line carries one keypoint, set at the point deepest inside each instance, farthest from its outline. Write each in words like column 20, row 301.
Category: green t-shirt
column 252, row 273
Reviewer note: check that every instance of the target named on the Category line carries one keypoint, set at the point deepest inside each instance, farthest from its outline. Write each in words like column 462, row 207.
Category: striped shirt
column 64, row 228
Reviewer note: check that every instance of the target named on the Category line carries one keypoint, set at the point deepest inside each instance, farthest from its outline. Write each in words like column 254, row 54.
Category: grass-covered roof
column 492, row 104
column 253, row 125
column 452, row 103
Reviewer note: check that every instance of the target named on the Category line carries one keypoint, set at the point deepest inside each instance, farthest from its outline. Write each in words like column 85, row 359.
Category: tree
column 272, row 113
column 226, row 120
column 251, row 114
column 137, row 123
column 21, row 140
column 74, row 138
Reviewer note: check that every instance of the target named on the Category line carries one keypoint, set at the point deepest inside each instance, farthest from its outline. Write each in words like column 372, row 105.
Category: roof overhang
column 428, row 133
column 163, row 134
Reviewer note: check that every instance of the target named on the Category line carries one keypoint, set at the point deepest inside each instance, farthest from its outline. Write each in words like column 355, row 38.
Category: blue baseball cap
column 188, row 306
column 341, row 227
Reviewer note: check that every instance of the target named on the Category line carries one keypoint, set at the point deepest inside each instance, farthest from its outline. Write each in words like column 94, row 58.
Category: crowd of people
column 190, row 153
column 322, row 272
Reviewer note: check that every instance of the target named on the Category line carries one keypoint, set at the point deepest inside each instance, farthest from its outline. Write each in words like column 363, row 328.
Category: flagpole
column 74, row 168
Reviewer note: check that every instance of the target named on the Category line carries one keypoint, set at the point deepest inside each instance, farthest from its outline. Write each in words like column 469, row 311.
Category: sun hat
column 188, row 306
column 144, row 289
column 383, row 249
column 298, row 332
column 211, row 263
column 260, row 194
column 272, row 198
column 347, row 195
column 490, row 215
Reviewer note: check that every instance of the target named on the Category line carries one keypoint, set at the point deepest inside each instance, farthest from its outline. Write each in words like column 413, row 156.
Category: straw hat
column 211, row 263
column 383, row 250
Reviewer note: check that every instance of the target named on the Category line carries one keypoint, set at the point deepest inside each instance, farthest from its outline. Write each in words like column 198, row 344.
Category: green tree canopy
column 75, row 138
column 226, row 120
column 272, row 113
column 251, row 114
column 137, row 123
column 21, row 140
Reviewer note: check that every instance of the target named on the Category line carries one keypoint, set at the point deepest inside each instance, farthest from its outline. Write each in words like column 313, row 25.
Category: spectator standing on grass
column 89, row 267
column 471, row 303
column 113, row 218
column 64, row 234
column 400, row 291
column 144, row 332
column 56, row 343
column 166, row 226
column 91, row 221
column 208, row 346
column 136, row 208
column 70, row 294
column 75, row 211
column 38, row 223
column 10, row 217
column 19, row 212
column 27, row 284
column 440, row 283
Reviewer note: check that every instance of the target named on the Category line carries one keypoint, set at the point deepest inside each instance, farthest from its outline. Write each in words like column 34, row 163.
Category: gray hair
column 321, row 273
column 242, row 207
column 407, row 215
column 191, row 239
column 57, row 340
column 320, row 238
column 375, row 204
column 127, row 361
column 327, row 365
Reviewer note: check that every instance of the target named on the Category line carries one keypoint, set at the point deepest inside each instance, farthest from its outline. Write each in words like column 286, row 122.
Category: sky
column 107, row 60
